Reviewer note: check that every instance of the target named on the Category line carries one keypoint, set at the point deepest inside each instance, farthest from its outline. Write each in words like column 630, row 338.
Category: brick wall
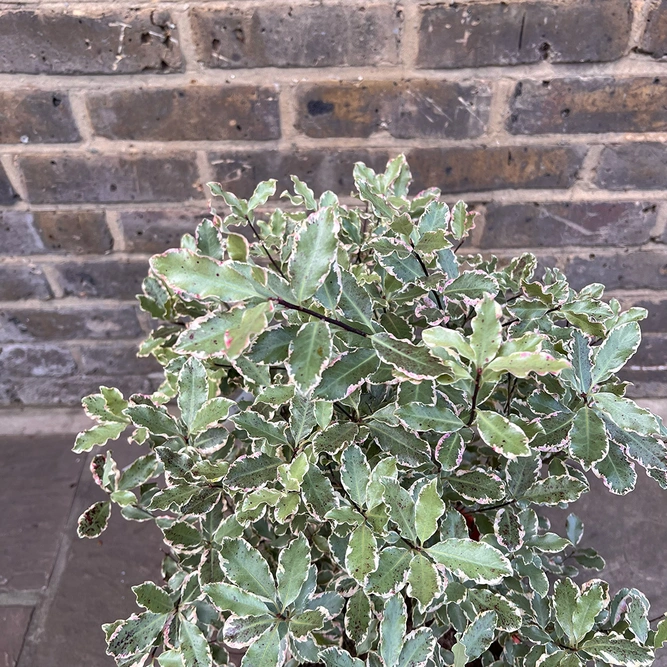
column 550, row 116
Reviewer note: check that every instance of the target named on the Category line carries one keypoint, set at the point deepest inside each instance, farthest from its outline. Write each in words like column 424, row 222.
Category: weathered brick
column 633, row 165
column 495, row 167
column 283, row 35
column 7, row 194
column 68, row 322
column 321, row 169
column 71, row 178
column 654, row 40
column 36, row 361
column 74, row 231
column 18, row 234
column 501, row 33
column 645, row 384
column 115, row 359
column 564, row 223
column 651, row 352
column 156, row 231
column 622, row 270
column 117, row 279
column 56, row 42
column 187, row 114
column 20, row 281
column 405, row 109
column 589, row 105
column 656, row 322
column 36, row 116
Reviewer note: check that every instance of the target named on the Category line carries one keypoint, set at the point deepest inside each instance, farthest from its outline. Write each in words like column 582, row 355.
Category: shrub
column 367, row 425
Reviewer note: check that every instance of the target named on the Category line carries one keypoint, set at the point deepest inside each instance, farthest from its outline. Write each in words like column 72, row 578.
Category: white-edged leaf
column 472, row 560
column 309, row 353
column 621, row 343
column 501, row 434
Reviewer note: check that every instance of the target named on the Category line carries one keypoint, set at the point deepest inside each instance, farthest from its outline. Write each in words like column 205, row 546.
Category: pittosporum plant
column 368, row 424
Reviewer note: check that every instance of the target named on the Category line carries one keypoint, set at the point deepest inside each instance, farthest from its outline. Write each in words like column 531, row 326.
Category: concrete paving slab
column 14, row 623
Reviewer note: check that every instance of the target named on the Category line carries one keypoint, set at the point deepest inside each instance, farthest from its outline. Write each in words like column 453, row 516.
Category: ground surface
column 56, row 590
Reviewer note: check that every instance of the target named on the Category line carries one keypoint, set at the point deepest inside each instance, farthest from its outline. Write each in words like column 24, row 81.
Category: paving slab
column 14, row 623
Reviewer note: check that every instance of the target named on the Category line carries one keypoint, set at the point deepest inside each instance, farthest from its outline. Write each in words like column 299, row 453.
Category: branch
column 330, row 320
column 267, row 253
column 426, row 273
column 478, row 378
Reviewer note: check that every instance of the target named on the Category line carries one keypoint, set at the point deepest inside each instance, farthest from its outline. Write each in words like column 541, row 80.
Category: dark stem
column 461, row 242
column 330, row 320
column 474, row 396
column 511, row 386
column 266, row 252
column 516, row 319
column 345, row 412
column 492, row 507
column 426, row 273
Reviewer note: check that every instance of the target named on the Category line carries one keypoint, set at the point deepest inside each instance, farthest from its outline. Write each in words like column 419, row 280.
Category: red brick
column 654, row 40
column 46, row 361
column 73, row 177
column 7, row 194
column 589, row 105
column 550, row 224
column 501, row 33
column 283, row 35
column 21, row 281
column 495, row 167
column 187, row 114
column 115, row 359
column 78, row 232
column 88, row 42
column 156, row 231
column 117, row 279
column 656, row 322
column 405, row 109
column 36, row 116
column 633, row 165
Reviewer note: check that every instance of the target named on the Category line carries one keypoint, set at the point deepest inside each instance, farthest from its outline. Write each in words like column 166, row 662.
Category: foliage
column 367, row 425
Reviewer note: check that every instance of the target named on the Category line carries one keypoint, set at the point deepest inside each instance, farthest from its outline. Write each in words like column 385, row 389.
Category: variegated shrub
column 368, row 423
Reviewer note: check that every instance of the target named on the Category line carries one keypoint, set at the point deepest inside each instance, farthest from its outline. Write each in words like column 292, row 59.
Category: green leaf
column 472, row 560
column 621, row 343
column 257, row 426
column 420, row 417
column 424, row 582
column 136, row 634
column 462, row 222
column 242, row 631
column 263, row 191
column 448, row 339
column 486, row 336
column 401, row 508
column 617, row 473
column 318, row 492
column 293, row 566
column 521, row 364
column 405, row 446
column 192, row 389
column 428, row 510
column 309, row 353
column 195, row 277
column 581, row 361
column 355, row 304
column 470, row 286
column 508, row 529
column 335, row 437
column 94, row 520
column 171, row 658
column 479, row 635
column 335, row 657
column 479, row 486
column 183, row 536
column 209, row 241
column 195, row 648
column 227, row 597
column 555, row 489
column 508, row 615
column 626, row 414
column 355, row 474
column 390, row 575
column 306, row 623
column 576, row 611
column 238, row 248
column 647, row 451
column 315, row 246
column 268, row 651
column 156, row 420
column 153, row 598
column 616, row 650
column 358, row 617
column 417, row 648
column 252, row 471
column 412, row 361
column 361, row 557
column 211, row 412
column 245, row 567
column 97, row 436
column 392, row 629
column 343, row 376
column 660, row 634
column 501, row 434
column 588, row 438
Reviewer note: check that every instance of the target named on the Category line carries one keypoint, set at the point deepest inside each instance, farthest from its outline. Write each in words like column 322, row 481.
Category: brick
column 20, row 281
column 495, row 167
column 500, row 33
column 117, row 279
column 36, row 116
column 69, row 323
column 622, row 270
column 195, row 113
column 589, row 105
column 38, row 480
column 645, row 383
column 7, row 194
column 18, row 234
column 88, row 42
column 79, row 232
column 283, row 35
column 156, row 231
column 633, row 165
column 36, row 361
column 321, row 169
column 654, row 39
column 651, row 352
column 656, row 322
column 405, row 109
column 72, row 178
column 115, row 359
column 14, row 623
column 564, row 223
